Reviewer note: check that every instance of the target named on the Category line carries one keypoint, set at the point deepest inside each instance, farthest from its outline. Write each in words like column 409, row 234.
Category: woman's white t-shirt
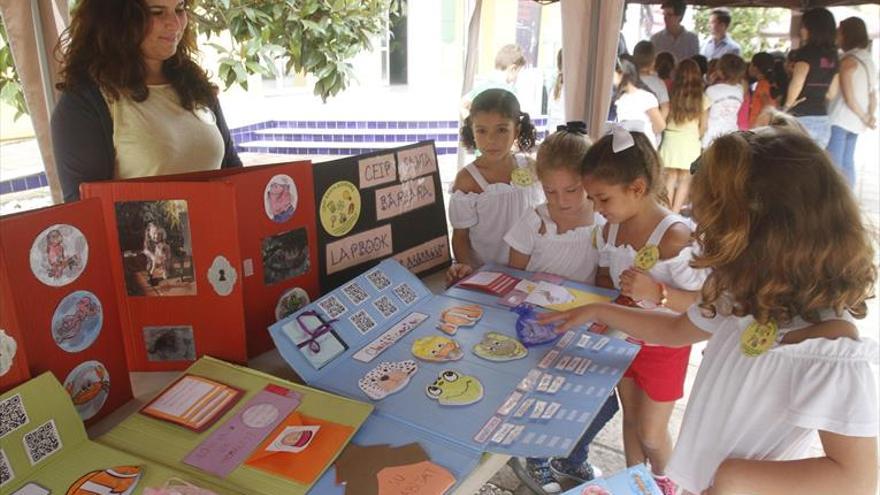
column 634, row 106
column 769, row 407
column 724, row 103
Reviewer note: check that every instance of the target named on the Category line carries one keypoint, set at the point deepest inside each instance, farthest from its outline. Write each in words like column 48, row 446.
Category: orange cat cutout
column 459, row 316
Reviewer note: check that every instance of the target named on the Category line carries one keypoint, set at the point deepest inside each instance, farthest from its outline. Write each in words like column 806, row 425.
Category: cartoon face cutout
column 452, row 388
column 280, row 198
column 647, row 257
column 437, row 349
column 387, row 378
column 120, row 480
column 499, row 347
column 459, row 316
column 59, row 255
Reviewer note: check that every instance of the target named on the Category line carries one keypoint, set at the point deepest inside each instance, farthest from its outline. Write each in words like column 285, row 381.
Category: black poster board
column 380, row 204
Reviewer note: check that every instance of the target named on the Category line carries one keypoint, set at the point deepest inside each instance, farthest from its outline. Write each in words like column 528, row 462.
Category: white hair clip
column 621, row 133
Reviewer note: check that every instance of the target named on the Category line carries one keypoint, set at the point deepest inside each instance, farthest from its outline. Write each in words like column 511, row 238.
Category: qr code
column 378, row 279
column 12, row 415
column 42, row 442
column 6, row 474
column 362, row 321
column 355, row 293
column 332, row 306
column 385, row 306
column 406, row 294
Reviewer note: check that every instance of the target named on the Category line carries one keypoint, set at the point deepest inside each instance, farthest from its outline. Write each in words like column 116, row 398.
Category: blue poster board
column 537, row 406
column 635, row 480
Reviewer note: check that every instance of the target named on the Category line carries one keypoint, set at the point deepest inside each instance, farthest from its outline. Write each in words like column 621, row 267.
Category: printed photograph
column 156, row 245
column 285, row 256
column 169, row 343
column 59, row 255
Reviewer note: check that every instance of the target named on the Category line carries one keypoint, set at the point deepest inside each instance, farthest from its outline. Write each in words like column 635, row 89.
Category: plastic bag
column 529, row 331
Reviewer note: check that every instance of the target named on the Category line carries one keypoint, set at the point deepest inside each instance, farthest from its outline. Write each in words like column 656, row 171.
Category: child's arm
column 461, row 250
column 639, row 286
column 658, row 122
column 849, row 466
column 796, row 84
column 654, row 328
column 518, row 260
column 603, row 278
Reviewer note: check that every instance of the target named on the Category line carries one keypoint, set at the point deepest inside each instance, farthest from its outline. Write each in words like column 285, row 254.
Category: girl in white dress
column 494, row 191
column 644, row 251
column 790, row 269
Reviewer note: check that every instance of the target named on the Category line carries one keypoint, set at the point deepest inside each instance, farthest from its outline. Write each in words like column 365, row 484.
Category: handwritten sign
column 407, row 196
column 359, row 248
column 423, row 478
column 416, row 162
column 425, row 256
column 377, row 170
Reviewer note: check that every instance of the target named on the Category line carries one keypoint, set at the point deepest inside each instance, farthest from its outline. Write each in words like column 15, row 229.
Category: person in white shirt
column 725, row 98
column 675, row 39
column 720, row 43
column 635, row 102
column 643, row 57
column 783, row 361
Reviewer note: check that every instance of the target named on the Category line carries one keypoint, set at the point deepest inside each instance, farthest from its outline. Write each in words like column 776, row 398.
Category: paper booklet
column 635, row 480
column 452, row 366
column 44, row 445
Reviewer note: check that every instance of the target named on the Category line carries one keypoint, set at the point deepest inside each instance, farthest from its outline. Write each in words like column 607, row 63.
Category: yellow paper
column 581, row 298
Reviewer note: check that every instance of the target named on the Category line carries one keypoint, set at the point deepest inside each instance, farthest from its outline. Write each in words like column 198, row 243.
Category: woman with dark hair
column 134, row 102
column 813, row 80
column 635, row 102
column 852, row 111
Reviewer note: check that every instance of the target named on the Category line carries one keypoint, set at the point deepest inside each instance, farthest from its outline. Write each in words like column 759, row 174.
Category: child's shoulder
column 676, row 238
column 466, row 183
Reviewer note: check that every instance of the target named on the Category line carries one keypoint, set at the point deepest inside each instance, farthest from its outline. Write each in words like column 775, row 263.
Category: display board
column 431, row 361
column 377, row 205
column 58, row 306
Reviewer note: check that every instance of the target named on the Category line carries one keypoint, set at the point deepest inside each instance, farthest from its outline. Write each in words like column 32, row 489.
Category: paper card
column 425, row 256
column 377, row 170
column 415, row 162
column 424, row 478
column 231, row 443
column 513, row 298
column 13, row 414
column 451, row 319
column 547, row 294
column 404, row 197
column 6, row 472
column 117, row 480
column 495, row 283
column 31, row 489
column 293, row 439
column 487, row 429
column 193, row 402
column 390, row 337
column 548, row 277
column 510, row 403
column 514, row 434
column 359, row 248
column 387, row 378
column 41, row 442
column 523, row 408
column 315, row 338
column 59, row 254
column 357, row 466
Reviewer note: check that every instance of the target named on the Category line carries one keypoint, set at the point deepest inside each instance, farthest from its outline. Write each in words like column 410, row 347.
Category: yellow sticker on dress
column 647, row 257
column 340, row 208
column 757, row 339
column 596, row 237
column 522, row 177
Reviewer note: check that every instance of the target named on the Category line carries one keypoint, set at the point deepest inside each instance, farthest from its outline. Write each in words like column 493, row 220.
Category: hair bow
column 575, row 126
column 621, row 133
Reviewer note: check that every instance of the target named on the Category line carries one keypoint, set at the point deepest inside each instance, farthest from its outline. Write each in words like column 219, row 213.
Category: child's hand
column 457, row 272
column 565, row 320
column 639, row 286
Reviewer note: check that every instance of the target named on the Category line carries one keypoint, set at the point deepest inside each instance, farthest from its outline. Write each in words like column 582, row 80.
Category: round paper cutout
column 260, row 416
column 7, row 352
column 222, row 276
column 77, row 321
column 88, row 385
column 280, row 198
column 340, row 208
column 290, row 302
column 59, row 255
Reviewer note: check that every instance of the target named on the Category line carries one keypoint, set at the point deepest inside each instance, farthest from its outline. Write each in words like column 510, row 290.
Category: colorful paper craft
column 453, row 388
column 315, row 338
column 437, row 349
column 358, row 466
column 387, row 378
column 635, row 480
column 294, row 439
column 499, row 347
column 193, row 402
column 423, row 478
column 492, row 282
column 558, row 298
column 119, row 480
column 459, row 316
column 307, row 465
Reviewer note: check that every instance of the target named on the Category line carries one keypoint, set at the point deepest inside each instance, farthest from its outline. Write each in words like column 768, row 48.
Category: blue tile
column 433, row 124
column 19, row 185
column 322, row 125
column 323, row 151
column 370, row 138
column 381, row 125
column 359, row 139
column 5, row 187
column 423, row 125
column 405, row 125
column 311, row 124
column 361, row 125
column 422, row 137
column 331, row 125
column 44, row 181
column 380, row 139
column 348, row 138
column 392, row 125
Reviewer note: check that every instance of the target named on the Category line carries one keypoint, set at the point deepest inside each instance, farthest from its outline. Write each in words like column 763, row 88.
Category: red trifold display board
column 59, row 308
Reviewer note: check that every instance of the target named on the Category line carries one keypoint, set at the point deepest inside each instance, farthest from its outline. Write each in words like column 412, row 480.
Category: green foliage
column 317, row 37
column 10, row 86
column 745, row 28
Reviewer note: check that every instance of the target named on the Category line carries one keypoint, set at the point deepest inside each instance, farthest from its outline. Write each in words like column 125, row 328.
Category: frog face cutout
column 452, row 388
column 499, row 347
column 387, row 378
column 437, row 349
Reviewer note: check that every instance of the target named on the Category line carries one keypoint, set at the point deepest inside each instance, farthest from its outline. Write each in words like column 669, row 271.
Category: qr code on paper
column 385, row 306
column 378, row 279
column 362, row 321
column 406, row 294
column 332, row 306
column 355, row 293
column 6, row 474
column 42, row 442
column 12, row 415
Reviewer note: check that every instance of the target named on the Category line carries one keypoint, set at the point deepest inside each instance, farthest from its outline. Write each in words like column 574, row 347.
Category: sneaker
column 539, row 471
column 667, row 486
column 579, row 473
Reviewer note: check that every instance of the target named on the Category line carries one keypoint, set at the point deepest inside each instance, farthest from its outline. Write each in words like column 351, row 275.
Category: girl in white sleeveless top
column 644, row 252
column 494, row 191
column 783, row 360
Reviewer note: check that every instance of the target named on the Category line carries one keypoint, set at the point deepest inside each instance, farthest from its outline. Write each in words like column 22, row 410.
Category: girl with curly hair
column 791, row 266
column 134, row 102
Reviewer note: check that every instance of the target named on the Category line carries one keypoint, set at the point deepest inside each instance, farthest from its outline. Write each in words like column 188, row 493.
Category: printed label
column 539, row 409
column 390, row 337
column 565, row 340
column 523, row 408
column 548, row 359
column 487, row 429
column 405, row 197
column 502, row 433
column 359, row 248
column 563, row 362
column 425, row 256
column 377, row 170
column 510, row 403
column 416, row 162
